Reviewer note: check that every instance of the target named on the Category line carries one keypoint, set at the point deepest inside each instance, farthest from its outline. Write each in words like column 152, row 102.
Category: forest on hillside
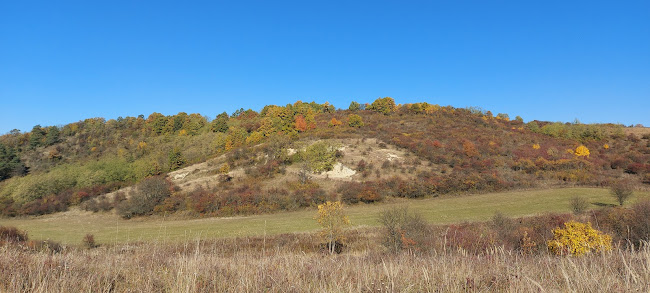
column 455, row 150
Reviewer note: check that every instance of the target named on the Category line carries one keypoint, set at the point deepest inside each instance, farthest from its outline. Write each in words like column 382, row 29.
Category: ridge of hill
column 302, row 154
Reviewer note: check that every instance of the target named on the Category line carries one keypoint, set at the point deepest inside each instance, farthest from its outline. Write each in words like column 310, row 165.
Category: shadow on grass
column 602, row 204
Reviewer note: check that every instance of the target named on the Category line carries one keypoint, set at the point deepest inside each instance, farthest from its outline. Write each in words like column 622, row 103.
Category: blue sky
column 62, row 61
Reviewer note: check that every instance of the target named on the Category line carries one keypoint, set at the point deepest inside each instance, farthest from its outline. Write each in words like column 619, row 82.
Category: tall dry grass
column 294, row 264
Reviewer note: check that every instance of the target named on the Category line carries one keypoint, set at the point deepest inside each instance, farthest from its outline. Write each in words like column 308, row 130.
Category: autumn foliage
column 578, row 239
column 468, row 150
column 332, row 220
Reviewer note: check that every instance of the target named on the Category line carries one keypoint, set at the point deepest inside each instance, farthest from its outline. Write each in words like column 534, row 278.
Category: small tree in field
column 621, row 190
column 579, row 205
column 89, row 241
column 332, row 219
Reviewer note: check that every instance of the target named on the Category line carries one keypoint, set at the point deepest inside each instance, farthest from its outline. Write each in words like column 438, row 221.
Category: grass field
column 70, row 227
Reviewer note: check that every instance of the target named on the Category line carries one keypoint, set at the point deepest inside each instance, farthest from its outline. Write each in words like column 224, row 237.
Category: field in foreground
column 215, row 267
column 70, row 227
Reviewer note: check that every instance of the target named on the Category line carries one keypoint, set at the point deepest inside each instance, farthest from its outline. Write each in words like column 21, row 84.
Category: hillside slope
column 299, row 155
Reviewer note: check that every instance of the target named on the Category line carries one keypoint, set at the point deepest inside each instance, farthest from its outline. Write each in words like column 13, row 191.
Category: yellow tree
column 332, row 219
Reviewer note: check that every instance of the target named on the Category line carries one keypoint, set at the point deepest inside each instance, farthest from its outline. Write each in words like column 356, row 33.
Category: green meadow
column 70, row 227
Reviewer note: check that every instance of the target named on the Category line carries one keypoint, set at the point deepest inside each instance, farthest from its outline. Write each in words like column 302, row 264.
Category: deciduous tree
column 383, row 105
column 355, row 120
column 354, row 106
column 334, row 122
column 621, row 190
column 332, row 219
column 300, row 123
column 220, row 124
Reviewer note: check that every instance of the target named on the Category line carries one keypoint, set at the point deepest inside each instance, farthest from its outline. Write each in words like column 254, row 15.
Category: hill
column 302, row 154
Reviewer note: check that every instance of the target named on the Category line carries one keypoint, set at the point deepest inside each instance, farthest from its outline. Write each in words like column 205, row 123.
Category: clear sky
column 63, row 61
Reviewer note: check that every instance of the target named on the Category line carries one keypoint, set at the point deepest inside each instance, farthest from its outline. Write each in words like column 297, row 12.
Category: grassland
column 70, row 227
column 218, row 267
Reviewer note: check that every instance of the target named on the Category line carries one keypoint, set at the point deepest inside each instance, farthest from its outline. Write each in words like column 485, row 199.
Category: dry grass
column 638, row 131
column 282, row 265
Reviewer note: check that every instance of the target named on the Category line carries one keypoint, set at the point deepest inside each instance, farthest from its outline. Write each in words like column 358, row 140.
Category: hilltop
column 302, row 154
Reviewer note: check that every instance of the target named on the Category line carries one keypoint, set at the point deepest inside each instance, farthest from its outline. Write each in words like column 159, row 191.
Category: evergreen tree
column 10, row 164
column 52, row 136
column 220, row 124
column 36, row 136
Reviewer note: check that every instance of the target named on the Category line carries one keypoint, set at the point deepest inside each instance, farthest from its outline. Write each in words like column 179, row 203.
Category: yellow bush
column 582, row 151
column 224, row 169
column 536, row 146
column 578, row 239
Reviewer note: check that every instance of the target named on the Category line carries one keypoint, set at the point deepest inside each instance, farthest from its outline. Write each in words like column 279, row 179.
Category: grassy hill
column 302, row 154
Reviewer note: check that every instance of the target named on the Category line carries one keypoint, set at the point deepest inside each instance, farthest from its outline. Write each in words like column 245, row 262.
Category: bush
column 320, row 156
column 579, row 205
column 224, row 169
column 401, row 229
column 45, row 246
column 350, row 192
column 578, row 239
column 621, row 190
column 146, row 195
column 12, row 234
column 641, row 223
column 89, row 241
column 355, row 120
column 503, row 226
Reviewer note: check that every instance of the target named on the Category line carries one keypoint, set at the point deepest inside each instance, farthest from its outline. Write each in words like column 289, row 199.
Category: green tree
column 179, row 121
column 503, row 116
column 52, row 136
column 220, row 124
column 158, row 122
column 354, row 106
column 355, row 120
column 195, row 122
column 10, row 164
column 176, row 159
column 320, row 156
column 36, row 136
column 383, row 105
